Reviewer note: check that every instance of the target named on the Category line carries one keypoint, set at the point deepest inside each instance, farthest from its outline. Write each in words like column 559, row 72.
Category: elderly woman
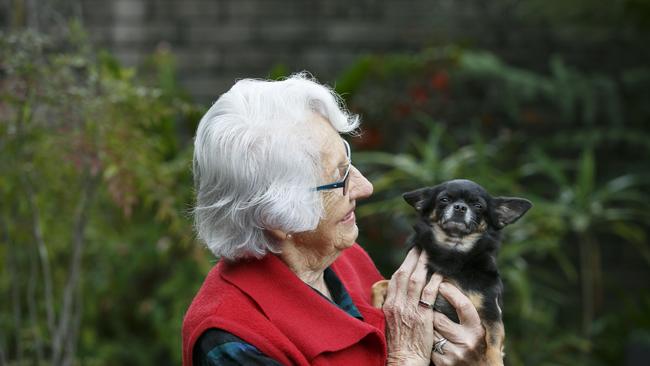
column 276, row 193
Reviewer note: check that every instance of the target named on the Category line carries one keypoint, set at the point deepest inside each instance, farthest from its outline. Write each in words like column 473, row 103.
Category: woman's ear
column 279, row 235
column 506, row 210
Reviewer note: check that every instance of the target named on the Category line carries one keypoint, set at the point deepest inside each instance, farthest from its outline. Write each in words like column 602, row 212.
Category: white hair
column 254, row 166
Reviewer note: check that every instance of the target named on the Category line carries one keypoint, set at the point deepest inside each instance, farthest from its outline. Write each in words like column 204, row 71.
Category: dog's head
column 460, row 211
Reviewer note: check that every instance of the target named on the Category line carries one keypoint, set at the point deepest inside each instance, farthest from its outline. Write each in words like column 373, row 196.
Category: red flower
column 440, row 81
column 419, row 94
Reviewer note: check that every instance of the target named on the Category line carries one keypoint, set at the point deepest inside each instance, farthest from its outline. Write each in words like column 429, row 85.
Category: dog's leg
column 494, row 338
column 379, row 290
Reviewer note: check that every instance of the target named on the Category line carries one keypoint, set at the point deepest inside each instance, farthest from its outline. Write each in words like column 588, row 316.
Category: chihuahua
column 459, row 226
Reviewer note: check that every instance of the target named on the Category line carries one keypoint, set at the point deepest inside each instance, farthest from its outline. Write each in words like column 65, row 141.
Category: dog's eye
column 478, row 206
column 444, row 199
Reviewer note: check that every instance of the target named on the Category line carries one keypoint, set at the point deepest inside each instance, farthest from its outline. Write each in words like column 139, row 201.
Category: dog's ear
column 419, row 197
column 506, row 210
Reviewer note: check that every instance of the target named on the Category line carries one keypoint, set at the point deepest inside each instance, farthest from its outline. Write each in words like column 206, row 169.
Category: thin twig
column 15, row 299
column 32, row 310
column 43, row 256
column 71, row 286
column 71, row 344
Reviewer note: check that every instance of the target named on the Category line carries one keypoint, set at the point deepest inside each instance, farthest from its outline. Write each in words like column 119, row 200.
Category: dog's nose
column 460, row 207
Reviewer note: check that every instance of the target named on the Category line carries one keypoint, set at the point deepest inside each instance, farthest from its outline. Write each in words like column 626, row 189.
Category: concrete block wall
column 218, row 41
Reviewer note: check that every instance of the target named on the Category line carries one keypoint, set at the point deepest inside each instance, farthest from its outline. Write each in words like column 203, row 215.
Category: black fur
column 471, row 267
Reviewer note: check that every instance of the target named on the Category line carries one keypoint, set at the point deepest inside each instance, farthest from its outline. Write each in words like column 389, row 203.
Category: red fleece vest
column 267, row 305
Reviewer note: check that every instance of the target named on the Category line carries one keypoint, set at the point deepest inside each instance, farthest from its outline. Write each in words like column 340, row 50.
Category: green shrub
column 573, row 143
column 95, row 189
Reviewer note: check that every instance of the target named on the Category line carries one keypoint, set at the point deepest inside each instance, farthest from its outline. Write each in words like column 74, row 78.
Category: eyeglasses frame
column 343, row 183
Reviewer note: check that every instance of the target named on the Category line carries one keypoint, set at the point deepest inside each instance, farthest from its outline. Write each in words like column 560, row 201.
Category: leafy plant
column 94, row 191
column 562, row 140
column 592, row 209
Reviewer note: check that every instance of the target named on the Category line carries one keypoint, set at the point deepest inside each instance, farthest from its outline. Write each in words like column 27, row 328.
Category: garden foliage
column 97, row 249
column 576, row 144
column 99, row 261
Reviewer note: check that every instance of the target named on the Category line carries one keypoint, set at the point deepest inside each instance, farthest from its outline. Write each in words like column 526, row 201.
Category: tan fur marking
column 434, row 216
column 495, row 340
column 476, row 299
column 463, row 244
column 379, row 290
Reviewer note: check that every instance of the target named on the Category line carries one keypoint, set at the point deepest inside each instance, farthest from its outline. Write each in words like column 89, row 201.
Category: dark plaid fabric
column 340, row 295
column 217, row 347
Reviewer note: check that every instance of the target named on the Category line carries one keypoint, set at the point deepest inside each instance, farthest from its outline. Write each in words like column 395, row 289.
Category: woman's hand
column 409, row 330
column 465, row 341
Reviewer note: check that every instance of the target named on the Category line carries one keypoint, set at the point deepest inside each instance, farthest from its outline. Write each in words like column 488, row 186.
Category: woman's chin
column 350, row 236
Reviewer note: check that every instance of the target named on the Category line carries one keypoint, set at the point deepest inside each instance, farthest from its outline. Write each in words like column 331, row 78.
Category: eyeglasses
column 343, row 183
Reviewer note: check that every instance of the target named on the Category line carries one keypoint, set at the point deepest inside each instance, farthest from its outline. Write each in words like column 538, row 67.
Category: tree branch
column 32, row 309
column 64, row 329
column 15, row 299
column 71, row 344
column 43, row 255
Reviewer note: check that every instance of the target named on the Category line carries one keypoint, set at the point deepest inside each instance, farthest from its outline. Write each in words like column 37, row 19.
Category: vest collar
column 310, row 321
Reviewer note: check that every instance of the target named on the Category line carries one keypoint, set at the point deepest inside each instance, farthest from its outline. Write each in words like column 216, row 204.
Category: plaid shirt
column 218, row 347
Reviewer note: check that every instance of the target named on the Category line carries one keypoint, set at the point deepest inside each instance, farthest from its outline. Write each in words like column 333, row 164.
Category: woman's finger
column 464, row 308
column 465, row 345
column 430, row 291
column 449, row 349
column 399, row 281
column 410, row 261
column 447, row 328
column 466, row 340
column 418, row 278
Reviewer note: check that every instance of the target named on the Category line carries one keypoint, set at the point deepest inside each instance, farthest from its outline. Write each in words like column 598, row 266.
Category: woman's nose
column 360, row 187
